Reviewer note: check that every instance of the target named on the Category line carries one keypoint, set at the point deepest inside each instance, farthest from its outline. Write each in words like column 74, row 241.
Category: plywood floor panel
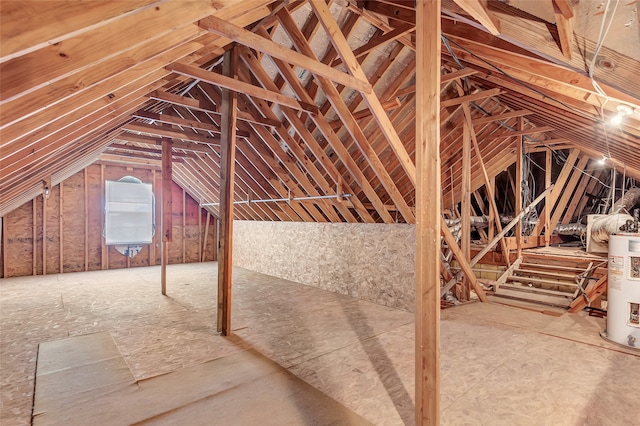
column 500, row 365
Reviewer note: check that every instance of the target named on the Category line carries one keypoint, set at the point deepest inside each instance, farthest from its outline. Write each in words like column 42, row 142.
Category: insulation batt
column 607, row 225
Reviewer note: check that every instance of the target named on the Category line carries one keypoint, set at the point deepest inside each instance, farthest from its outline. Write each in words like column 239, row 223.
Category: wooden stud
column 152, row 246
column 34, row 265
column 104, row 254
column 61, row 233
column 44, row 235
column 547, row 211
column 184, row 226
column 206, row 235
column 167, row 209
column 227, row 171
column 518, row 188
column 86, row 218
column 3, row 231
column 428, row 216
column 465, row 206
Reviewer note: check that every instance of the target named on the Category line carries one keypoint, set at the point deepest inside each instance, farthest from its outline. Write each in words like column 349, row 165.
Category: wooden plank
column 428, row 218
column 319, row 120
column 547, row 211
column 465, row 265
column 479, row 11
column 520, row 132
column 3, row 231
column 568, row 190
column 378, row 41
column 519, row 184
column 167, row 118
column 500, row 117
column 594, row 290
column 206, row 235
column 60, row 223
column 184, row 226
column 86, row 218
column 54, row 62
column 34, row 263
column 261, row 44
column 170, row 132
column 562, row 10
column 29, row 26
column 227, row 172
column 469, row 98
column 465, row 205
column 44, row 235
column 167, row 210
column 197, row 105
column 352, row 126
column 341, row 45
column 156, row 210
column 240, row 86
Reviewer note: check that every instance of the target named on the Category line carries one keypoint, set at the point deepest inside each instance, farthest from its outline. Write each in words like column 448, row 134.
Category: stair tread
column 547, row 273
column 536, row 290
column 540, row 281
column 555, row 267
column 534, row 297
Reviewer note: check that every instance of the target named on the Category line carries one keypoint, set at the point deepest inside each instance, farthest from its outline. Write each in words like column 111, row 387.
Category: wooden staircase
column 543, row 280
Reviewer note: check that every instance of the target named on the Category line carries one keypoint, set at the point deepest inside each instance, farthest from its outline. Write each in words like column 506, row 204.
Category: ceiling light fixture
column 623, row 111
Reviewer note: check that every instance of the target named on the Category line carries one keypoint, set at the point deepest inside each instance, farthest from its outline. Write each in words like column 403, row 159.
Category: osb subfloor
column 499, row 365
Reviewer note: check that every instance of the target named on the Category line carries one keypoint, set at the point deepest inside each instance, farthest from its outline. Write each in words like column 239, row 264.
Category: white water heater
column 623, row 293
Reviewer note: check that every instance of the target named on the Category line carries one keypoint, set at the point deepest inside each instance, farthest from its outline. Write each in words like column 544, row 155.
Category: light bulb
column 616, row 119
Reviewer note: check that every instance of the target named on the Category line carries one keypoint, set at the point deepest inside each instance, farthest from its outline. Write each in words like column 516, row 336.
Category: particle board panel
column 345, row 347
column 84, row 379
column 373, row 262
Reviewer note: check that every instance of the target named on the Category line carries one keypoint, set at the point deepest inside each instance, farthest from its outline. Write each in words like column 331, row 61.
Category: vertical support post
column 44, row 235
column 428, row 215
column 518, row 188
column 61, row 222
column 227, row 170
column 466, row 202
column 104, row 254
column 199, row 233
column 206, row 235
column 152, row 246
column 184, row 226
column 167, row 206
column 86, row 220
column 3, row 237
column 34, row 263
column 547, row 200
column 491, row 185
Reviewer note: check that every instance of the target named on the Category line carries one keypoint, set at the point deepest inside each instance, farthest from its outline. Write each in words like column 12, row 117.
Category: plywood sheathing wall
column 21, row 256
column 373, row 262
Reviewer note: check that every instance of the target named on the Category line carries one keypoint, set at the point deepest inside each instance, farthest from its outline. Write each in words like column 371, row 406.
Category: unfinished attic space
column 320, row 212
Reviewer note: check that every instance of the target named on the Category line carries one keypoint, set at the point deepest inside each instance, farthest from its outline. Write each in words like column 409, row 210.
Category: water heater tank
column 623, row 294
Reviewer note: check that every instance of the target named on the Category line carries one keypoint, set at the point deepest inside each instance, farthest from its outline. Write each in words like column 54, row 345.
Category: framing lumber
column 500, row 117
column 227, row 172
column 301, row 43
column 341, row 45
column 465, row 205
column 240, row 86
column 479, row 11
column 518, row 188
column 179, row 121
column 472, row 97
column 428, row 218
column 249, row 39
column 167, row 209
column 563, row 12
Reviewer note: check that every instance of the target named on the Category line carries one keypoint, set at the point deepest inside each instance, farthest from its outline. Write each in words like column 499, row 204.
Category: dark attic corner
column 319, row 212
